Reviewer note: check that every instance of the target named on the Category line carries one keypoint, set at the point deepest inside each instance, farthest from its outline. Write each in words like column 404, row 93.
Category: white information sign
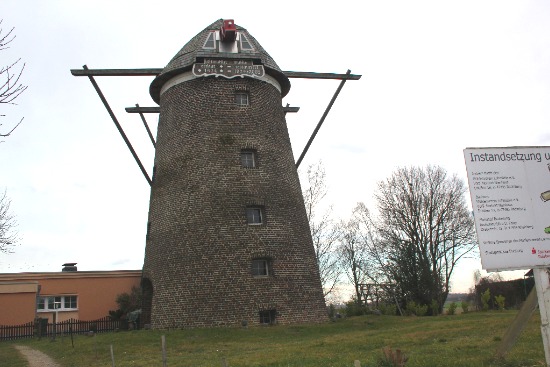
column 510, row 192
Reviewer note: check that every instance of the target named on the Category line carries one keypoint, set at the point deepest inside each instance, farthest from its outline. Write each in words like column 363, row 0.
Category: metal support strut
column 120, row 130
column 327, row 110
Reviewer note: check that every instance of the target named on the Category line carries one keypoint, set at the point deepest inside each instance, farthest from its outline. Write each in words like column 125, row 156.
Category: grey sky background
column 438, row 76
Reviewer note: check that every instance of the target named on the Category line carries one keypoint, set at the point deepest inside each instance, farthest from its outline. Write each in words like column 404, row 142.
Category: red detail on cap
column 228, row 31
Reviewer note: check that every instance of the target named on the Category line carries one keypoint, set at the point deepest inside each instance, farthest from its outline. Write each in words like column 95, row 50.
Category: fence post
column 163, row 342
column 112, row 356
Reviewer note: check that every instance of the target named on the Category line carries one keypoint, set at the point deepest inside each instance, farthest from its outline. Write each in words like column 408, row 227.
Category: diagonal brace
column 327, row 110
column 120, row 130
column 146, row 126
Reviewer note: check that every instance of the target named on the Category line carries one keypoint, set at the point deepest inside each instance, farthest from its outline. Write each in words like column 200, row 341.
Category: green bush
column 500, row 301
column 452, row 308
column 465, row 306
column 435, row 307
column 414, row 309
column 353, row 309
column 485, row 297
column 388, row 309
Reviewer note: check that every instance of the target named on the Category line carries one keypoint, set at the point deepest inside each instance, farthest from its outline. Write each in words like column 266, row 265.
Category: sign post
column 543, row 284
column 510, row 192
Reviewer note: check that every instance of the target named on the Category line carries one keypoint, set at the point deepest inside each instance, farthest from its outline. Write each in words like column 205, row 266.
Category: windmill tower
column 228, row 239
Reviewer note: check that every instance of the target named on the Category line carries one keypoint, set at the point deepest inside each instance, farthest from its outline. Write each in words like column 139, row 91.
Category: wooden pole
column 112, row 356
column 163, row 342
column 542, row 283
column 519, row 323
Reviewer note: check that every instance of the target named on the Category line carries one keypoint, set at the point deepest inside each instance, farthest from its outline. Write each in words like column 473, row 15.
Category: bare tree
column 324, row 231
column 379, row 286
column 354, row 256
column 10, row 87
column 425, row 228
column 8, row 233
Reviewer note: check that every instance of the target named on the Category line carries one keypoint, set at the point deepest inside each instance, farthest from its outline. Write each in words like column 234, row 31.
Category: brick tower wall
column 200, row 247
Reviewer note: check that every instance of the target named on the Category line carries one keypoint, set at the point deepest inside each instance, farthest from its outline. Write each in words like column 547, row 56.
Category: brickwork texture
column 199, row 246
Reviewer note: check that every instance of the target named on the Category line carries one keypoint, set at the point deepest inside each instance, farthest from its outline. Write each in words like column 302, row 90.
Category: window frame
column 250, row 220
column 240, row 96
column 267, row 315
column 263, row 270
column 211, row 38
column 245, row 156
column 243, row 41
column 47, row 303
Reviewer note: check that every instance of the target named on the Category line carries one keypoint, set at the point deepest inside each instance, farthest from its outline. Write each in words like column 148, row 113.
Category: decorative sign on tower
column 228, row 68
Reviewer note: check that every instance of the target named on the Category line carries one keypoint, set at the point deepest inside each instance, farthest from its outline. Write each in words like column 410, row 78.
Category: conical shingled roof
column 188, row 55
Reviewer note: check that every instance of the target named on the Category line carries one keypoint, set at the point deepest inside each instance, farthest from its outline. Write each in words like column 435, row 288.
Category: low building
column 83, row 295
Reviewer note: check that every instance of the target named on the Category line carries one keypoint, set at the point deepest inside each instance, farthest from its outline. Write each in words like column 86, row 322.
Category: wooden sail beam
column 157, row 71
column 141, row 110
column 90, row 73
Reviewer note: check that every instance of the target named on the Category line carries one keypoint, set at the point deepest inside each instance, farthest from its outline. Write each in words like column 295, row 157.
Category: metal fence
column 41, row 328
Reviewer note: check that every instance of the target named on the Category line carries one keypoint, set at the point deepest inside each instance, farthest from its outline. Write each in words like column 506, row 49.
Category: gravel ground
column 35, row 357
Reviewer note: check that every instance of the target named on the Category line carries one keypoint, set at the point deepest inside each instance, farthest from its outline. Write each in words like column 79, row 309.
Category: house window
column 260, row 267
column 59, row 303
column 241, row 99
column 69, row 302
column 254, row 215
column 267, row 317
column 248, row 158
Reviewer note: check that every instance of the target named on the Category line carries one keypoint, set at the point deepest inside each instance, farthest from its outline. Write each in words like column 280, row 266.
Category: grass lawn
column 461, row 340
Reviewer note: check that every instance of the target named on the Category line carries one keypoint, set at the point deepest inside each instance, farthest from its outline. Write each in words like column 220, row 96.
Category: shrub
column 500, row 301
column 388, row 309
column 353, row 309
column 435, row 307
column 465, row 306
column 418, row 310
column 452, row 308
column 485, row 297
column 127, row 302
column 331, row 311
column 116, row 314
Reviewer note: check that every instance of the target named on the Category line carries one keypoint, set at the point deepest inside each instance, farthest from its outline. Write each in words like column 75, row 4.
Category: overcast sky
column 438, row 76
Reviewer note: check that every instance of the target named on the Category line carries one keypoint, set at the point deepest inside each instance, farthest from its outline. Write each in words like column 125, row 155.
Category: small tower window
column 267, row 317
column 248, row 158
column 260, row 267
column 254, row 215
column 245, row 44
column 241, row 99
column 210, row 42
